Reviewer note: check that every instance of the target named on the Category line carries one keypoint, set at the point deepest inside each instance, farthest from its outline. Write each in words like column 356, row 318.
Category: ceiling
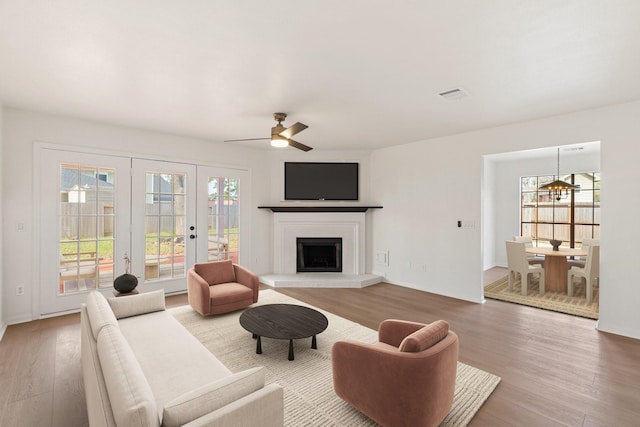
column 362, row 74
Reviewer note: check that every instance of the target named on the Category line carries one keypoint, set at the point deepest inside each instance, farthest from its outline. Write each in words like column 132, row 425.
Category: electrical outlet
column 19, row 290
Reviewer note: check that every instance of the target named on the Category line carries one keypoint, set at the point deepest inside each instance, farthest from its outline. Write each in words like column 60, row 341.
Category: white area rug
column 309, row 399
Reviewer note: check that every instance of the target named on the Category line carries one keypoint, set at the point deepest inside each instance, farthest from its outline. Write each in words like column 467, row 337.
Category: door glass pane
column 87, row 228
column 165, row 226
column 223, row 219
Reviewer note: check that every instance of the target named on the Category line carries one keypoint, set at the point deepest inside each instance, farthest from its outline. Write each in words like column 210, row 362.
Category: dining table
column 556, row 265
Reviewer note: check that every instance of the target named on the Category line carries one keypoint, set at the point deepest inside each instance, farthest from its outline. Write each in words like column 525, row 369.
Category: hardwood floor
column 556, row 369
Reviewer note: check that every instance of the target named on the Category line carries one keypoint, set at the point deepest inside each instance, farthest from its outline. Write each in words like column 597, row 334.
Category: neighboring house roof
column 70, row 180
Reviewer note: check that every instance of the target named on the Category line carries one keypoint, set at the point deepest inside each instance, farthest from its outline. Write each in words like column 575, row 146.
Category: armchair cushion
column 216, row 272
column 425, row 337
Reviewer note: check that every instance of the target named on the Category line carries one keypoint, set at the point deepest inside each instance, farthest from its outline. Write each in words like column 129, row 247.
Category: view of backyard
column 87, row 234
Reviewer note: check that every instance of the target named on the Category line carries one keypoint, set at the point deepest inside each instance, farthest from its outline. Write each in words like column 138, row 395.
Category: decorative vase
column 555, row 244
column 125, row 283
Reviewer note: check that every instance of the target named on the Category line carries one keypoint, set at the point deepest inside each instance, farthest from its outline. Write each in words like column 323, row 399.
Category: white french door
column 84, row 226
column 163, row 223
column 96, row 210
column 223, row 225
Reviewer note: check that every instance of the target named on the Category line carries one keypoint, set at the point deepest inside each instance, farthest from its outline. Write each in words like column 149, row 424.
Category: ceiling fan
column 280, row 135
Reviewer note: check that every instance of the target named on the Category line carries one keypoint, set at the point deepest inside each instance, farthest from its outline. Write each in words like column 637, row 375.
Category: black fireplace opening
column 319, row 254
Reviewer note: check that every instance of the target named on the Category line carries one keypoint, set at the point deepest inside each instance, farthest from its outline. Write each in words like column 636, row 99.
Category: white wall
column 3, row 325
column 22, row 129
column 427, row 186
column 425, row 189
column 502, row 195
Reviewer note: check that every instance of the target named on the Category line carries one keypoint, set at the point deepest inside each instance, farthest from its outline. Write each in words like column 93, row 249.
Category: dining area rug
column 555, row 301
column 309, row 398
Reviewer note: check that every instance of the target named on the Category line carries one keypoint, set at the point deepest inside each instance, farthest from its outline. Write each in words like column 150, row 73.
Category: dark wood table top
column 283, row 321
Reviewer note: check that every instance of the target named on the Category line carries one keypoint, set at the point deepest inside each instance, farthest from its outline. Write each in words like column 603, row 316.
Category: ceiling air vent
column 454, row 94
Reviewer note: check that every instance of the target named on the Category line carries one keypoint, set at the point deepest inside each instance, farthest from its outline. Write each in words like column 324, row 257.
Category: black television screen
column 320, row 181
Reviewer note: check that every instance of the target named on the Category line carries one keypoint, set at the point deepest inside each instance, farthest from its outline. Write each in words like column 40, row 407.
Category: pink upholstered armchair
column 406, row 379
column 220, row 287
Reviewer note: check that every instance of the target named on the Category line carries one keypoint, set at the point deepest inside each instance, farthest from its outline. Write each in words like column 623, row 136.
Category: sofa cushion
column 174, row 362
column 133, row 305
column 216, row 272
column 130, row 396
column 99, row 312
column 425, row 337
column 211, row 397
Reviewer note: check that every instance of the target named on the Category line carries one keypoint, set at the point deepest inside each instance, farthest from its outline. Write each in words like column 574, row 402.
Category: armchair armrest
column 393, row 331
column 198, row 293
column 248, row 279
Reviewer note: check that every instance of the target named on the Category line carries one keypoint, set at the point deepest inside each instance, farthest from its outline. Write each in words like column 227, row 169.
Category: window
column 165, row 225
column 570, row 219
column 223, row 218
column 87, row 227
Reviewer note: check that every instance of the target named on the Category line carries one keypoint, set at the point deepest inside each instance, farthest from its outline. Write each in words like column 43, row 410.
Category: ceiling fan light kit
column 281, row 136
column 279, row 141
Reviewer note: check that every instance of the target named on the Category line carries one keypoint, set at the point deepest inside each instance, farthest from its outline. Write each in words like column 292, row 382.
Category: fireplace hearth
column 319, row 254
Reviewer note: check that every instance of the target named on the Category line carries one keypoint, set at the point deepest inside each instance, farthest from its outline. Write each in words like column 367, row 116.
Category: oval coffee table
column 283, row 322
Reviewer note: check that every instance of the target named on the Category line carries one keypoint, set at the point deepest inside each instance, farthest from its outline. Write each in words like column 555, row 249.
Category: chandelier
column 556, row 187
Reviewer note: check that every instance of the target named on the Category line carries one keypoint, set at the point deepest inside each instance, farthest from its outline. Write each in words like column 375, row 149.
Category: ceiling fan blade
column 247, row 139
column 299, row 146
column 293, row 129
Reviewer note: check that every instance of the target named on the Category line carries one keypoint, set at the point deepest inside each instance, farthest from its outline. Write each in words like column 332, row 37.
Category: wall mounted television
column 320, row 181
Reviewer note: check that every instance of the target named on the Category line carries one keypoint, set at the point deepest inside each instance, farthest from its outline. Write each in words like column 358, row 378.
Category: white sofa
column 141, row 367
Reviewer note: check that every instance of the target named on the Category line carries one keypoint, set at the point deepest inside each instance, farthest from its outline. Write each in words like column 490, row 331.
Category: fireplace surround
column 289, row 226
column 347, row 223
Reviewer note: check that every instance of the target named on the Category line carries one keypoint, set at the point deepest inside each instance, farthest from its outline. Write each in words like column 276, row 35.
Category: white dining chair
column 581, row 261
column 589, row 273
column 518, row 264
column 528, row 243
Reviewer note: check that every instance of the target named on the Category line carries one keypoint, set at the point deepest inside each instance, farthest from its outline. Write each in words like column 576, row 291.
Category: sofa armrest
column 393, row 331
column 248, row 279
column 262, row 408
column 198, row 293
column 211, row 397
